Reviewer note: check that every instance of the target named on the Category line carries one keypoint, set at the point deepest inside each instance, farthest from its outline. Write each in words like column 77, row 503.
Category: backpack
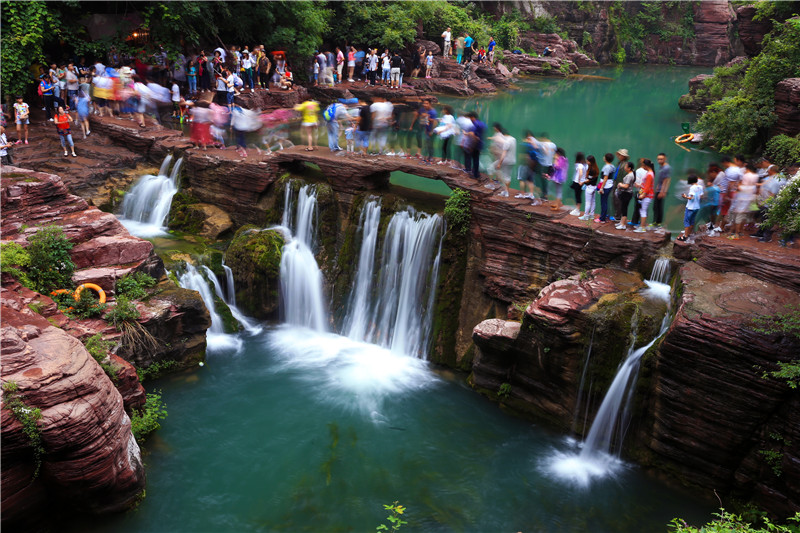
column 330, row 113
column 237, row 81
column 39, row 90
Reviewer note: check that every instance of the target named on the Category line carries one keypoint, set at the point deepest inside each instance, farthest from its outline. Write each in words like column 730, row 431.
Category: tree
column 25, row 26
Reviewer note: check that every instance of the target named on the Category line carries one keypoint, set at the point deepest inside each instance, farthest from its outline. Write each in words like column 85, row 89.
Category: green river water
column 301, row 431
column 637, row 109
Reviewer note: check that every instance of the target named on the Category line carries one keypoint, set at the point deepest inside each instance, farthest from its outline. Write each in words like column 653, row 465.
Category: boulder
column 692, row 101
column 713, row 26
column 90, row 461
column 751, row 32
column 273, row 99
column 539, row 66
column 428, row 46
column 787, row 107
column 254, row 256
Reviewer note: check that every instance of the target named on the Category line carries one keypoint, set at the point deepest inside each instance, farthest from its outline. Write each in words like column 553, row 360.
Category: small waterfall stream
column 602, row 447
column 360, row 303
column 249, row 325
column 216, row 338
column 146, row 205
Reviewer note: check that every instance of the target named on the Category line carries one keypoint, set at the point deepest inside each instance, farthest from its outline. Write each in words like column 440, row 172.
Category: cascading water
column 230, row 286
column 249, row 325
column 146, row 205
column 360, row 304
column 601, row 450
column 216, row 338
column 301, row 279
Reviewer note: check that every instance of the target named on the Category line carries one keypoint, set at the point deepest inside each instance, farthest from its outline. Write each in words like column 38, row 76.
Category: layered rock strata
column 787, row 107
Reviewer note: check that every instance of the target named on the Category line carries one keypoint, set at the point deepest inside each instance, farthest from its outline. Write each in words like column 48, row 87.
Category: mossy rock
column 254, row 256
column 229, row 324
column 182, row 217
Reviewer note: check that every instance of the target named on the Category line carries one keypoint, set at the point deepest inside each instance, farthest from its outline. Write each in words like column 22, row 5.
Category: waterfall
column 146, row 205
column 603, row 445
column 249, row 325
column 230, row 288
column 400, row 314
column 302, row 299
column 359, row 305
column 580, row 387
column 216, row 338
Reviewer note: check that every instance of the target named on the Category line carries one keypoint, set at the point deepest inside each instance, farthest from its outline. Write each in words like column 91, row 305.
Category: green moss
column 229, row 324
column 181, row 215
column 254, row 255
column 452, row 272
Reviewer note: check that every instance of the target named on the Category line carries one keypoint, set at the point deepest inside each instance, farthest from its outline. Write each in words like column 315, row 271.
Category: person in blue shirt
column 46, row 86
column 490, row 50
column 468, row 42
column 473, row 156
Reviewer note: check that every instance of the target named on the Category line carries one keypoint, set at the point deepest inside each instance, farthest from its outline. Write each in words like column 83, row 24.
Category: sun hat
column 623, row 152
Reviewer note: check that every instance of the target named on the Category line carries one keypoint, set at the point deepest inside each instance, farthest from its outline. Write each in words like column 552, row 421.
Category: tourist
column 416, row 61
column 547, row 52
column 476, row 134
column 382, row 111
column 428, row 65
column 62, row 121
column 578, row 176
column 364, row 127
column 590, row 187
column 545, row 152
column 770, row 187
column 319, row 67
column 394, row 75
column 646, row 194
column 465, row 141
column 221, row 97
column 467, row 70
column 420, row 133
column 527, row 171
column 446, row 129
column 237, row 126
column 286, row 80
column 640, row 174
column 247, row 69
column 46, row 89
column 559, row 176
column 661, row 189
column 351, row 63
column 372, row 62
column 709, row 205
column 230, row 85
column 191, row 76
column 386, row 67
column 264, row 65
column 22, row 112
column 490, row 50
column 72, row 84
column 308, row 111
column 743, row 202
column 175, row 95
column 505, row 150
column 332, row 116
column 606, row 184
column 619, row 172
column 202, row 72
column 728, row 185
column 692, row 206
column 5, row 146
column 468, row 42
column 330, row 66
column 625, row 193
column 339, row 65
column 200, row 131
column 446, row 35
column 459, row 49
column 82, row 106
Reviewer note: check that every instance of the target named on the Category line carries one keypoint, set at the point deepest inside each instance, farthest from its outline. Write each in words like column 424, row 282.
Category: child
column 82, row 106
column 350, row 137
column 692, row 206
column 21, row 117
column 710, row 204
column 428, row 65
column 5, row 157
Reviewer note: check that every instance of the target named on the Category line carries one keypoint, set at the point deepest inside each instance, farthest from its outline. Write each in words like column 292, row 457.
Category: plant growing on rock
column 395, row 522
column 457, row 211
column 145, row 422
column 134, row 286
column 50, row 264
column 87, row 306
column 14, row 259
column 28, row 417
column 99, row 349
column 726, row 522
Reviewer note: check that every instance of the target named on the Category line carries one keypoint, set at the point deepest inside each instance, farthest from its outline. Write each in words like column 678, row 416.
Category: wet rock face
column 787, row 107
column 751, row 32
column 254, row 256
column 713, row 412
column 539, row 66
column 712, row 27
column 91, row 461
column 542, row 358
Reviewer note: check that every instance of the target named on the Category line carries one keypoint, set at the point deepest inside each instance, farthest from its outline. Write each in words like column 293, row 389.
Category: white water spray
column 216, row 338
column 249, row 325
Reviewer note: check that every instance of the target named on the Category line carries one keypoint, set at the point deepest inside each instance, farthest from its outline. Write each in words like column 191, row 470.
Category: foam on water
column 352, row 374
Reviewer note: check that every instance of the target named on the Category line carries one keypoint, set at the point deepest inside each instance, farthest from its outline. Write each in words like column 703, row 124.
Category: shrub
column 457, row 211
column 145, row 422
column 730, row 523
column 783, row 209
column 132, row 286
column 87, row 305
column 14, row 259
column 28, row 417
column 50, row 264
column 99, row 349
column 155, row 370
column 123, row 312
column 783, row 150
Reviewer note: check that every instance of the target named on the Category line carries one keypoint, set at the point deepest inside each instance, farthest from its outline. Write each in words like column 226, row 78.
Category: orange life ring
column 101, row 294
column 686, row 137
column 60, row 291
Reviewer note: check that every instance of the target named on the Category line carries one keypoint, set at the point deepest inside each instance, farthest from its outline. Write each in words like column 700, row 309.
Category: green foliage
column 133, row 286
column 36, row 307
column 14, row 259
column 740, row 121
column 155, row 370
column 586, row 39
column 730, row 523
column 545, row 24
column 263, row 248
column 774, row 460
column 26, row 25
column 783, row 209
column 772, row 10
column 50, row 264
column 122, row 313
column 99, row 349
column 632, row 29
column 783, row 150
column 87, row 306
column 184, row 218
column 28, row 417
column 145, row 422
column 457, row 211
column 395, row 522
column 504, row 391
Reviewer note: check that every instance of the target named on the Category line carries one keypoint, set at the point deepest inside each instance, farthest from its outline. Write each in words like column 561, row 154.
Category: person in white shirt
column 447, row 39
column 506, row 150
column 692, row 206
column 381, row 111
column 175, row 95
column 447, row 129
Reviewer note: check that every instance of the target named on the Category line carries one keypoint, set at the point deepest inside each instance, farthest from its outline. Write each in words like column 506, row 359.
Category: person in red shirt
column 62, row 121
